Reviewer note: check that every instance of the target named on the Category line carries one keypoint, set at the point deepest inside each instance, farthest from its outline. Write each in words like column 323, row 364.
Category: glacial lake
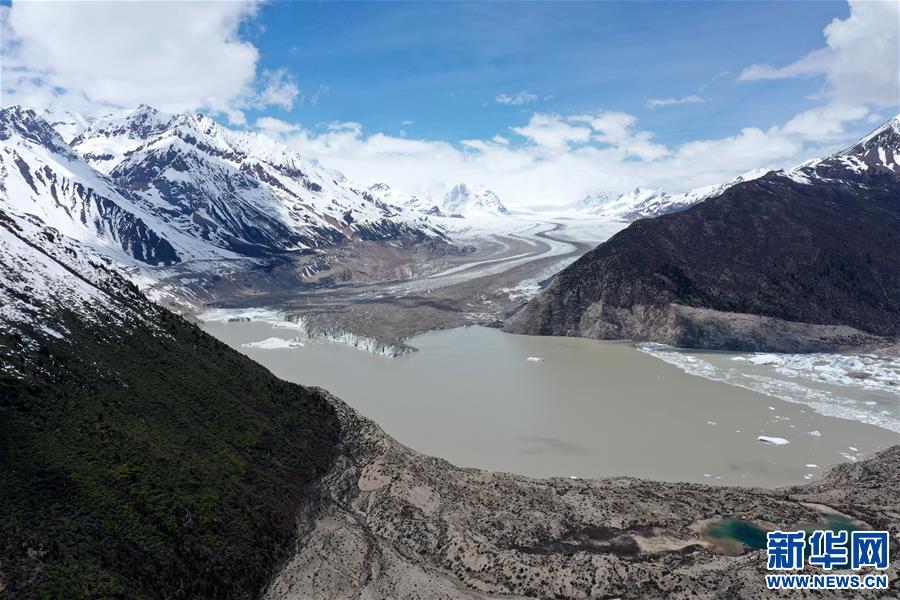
column 588, row 409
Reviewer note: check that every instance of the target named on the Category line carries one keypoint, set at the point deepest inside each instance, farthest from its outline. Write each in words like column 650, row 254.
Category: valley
column 510, row 259
column 416, row 478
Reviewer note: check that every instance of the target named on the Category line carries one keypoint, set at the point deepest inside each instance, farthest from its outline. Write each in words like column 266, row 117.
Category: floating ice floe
column 815, row 433
column 812, row 466
column 535, row 359
column 853, row 448
column 273, row 343
column 799, row 379
column 764, row 359
column 774, row 441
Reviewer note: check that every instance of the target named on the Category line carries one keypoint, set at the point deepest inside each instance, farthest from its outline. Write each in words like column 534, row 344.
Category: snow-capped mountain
column 67, row 123
column 239, row 190
column 812, row 246
column 472, row 201
column 43, row 179
column 153, row 189
column 388, row 195
column 877, row 154
column 643, row 202
column 43, row 273
column 459, row 201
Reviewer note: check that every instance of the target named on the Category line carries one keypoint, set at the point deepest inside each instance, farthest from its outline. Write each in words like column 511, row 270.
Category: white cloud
column 93, row 57
column 279, row 88
column 654, row 103
column 407, row 122
column 616, row 128
column 553, row 159
column 517, row 99
column 825, row 123
column 861, row 59
column 550, row 132
column 275, row 128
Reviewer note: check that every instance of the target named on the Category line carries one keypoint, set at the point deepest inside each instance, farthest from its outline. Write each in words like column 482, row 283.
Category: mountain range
column 162, row 189
column 460, row 201
column 642, row 203
column 801, row 260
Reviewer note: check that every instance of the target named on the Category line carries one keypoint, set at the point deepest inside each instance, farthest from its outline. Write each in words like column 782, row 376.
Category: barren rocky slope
column 392, row 523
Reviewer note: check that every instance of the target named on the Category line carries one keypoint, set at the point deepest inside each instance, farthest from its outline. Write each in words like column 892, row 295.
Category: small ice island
column 773, row 441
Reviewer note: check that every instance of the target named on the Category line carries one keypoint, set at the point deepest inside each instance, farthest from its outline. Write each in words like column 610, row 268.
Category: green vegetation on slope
column 138, row 465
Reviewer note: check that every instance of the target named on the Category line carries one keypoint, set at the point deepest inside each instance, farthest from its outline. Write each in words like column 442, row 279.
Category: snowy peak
column 877, row 155
column 592, row 203
column 874, row 156
column 382, row 192
column 42, row 180
column 878, row 150
column 26, row 124
column 465, row 200
column 67, row 123
column 139, row 123
column 643, row 202
column 156, row 189
column 238, row 190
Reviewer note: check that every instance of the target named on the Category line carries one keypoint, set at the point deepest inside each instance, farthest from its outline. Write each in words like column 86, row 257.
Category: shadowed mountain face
column 797, row 261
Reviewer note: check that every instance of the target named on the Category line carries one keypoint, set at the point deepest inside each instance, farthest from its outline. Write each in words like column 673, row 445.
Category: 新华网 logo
column 828, row 550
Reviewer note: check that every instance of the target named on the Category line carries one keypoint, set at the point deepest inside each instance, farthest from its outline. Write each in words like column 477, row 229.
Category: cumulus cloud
column 517, row 99
column 654, row 103
column 275, row 128
column 96, row 56
column 550, row 159
column 860, row 63
column 278, row 88
column 550, row 132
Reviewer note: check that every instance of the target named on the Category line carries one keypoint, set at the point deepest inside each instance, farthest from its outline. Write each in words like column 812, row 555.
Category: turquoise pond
column 733, row 535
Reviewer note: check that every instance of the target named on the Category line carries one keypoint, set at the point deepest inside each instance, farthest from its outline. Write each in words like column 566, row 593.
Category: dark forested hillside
column 141, row 458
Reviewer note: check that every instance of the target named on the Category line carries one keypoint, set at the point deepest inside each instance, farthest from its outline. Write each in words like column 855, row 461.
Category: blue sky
column 442, row 65
column 600, row 97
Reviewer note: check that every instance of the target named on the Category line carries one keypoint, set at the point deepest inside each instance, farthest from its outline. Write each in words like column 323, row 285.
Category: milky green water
column 590, row 409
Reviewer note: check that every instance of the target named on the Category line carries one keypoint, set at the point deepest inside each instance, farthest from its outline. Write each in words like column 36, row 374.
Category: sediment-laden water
column 586, row 409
